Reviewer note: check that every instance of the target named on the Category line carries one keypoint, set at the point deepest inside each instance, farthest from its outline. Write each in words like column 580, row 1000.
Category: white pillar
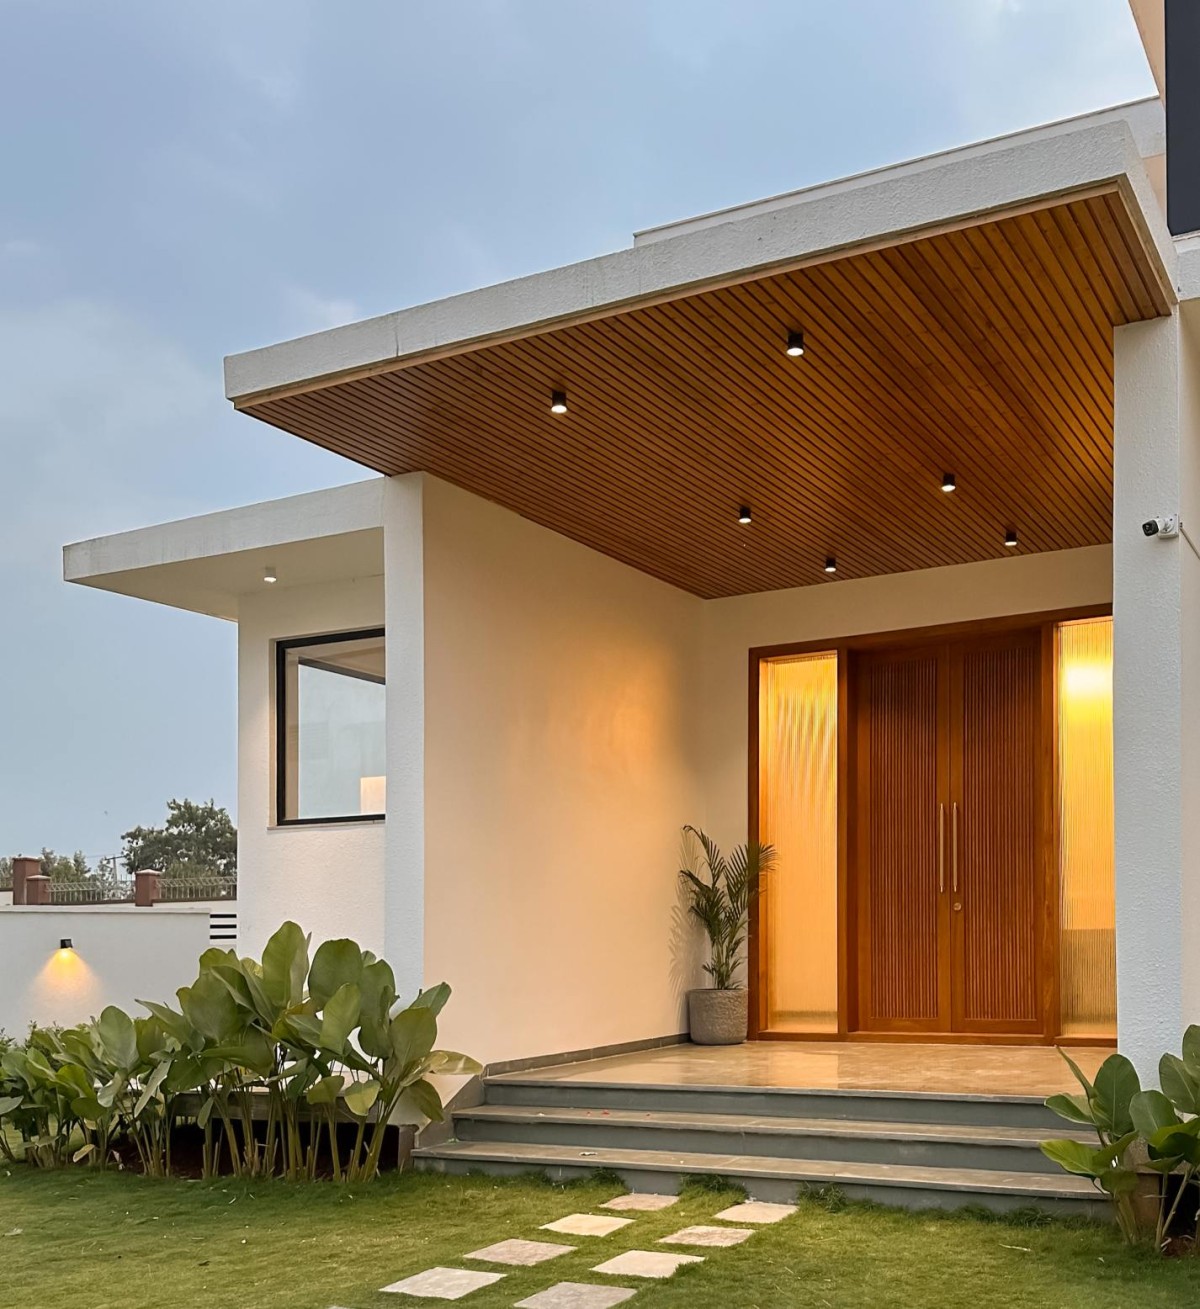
column 1148, row 688
column 404, row 840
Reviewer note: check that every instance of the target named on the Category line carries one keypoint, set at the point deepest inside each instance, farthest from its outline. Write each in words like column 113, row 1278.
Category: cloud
column 20, row 248
column 309, row 312
column 95, row 395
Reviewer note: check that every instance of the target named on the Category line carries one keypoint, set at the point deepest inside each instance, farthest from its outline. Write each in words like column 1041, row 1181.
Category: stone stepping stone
column 757, row 1211
column 587, row 1225
column 444, row 1283
column 714, row 1236
column 521, row 1254
column 646, row 1263
column 577, row 1295
column 641, row 1202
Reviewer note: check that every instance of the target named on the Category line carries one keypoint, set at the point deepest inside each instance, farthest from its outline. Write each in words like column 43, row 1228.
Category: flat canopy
column 973, row 340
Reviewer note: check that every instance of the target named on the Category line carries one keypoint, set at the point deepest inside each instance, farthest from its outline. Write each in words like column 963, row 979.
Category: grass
column 109, row 1241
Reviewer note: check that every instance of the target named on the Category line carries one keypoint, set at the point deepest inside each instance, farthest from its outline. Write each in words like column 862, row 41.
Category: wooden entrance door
column 949, row 837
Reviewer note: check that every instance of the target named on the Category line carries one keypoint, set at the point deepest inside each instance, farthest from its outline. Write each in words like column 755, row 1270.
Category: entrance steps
column 915, row 1149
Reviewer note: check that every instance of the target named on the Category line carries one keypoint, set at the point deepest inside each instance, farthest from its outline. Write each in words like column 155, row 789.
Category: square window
column 330, row 750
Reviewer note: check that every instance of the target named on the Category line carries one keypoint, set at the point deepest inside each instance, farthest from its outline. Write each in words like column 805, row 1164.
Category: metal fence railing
column 93, row 890
column 175, row 890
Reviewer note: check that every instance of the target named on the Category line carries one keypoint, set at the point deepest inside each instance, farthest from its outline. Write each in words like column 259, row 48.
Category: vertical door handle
column 941, row 848
column 954, row 848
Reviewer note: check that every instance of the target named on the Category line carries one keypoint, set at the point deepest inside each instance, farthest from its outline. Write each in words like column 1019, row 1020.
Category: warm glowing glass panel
column 798, row 816
column 1088, row 966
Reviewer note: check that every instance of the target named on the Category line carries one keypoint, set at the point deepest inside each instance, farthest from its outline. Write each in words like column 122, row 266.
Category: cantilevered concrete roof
column 206, row 563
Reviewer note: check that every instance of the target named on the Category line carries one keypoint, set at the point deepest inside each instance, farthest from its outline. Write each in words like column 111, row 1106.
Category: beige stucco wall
column 731, row 628
column 328, row 878
column 560, row 762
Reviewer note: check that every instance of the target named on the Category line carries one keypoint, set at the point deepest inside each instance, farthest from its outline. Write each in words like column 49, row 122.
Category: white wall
column 327, row 877
column 732, row 627
column 560, row 763
column 121, row 955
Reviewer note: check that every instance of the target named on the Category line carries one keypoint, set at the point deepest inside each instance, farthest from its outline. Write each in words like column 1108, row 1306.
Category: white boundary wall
column 120, row 954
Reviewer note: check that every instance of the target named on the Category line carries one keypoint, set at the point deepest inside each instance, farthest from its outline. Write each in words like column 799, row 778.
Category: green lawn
column 103, row 1241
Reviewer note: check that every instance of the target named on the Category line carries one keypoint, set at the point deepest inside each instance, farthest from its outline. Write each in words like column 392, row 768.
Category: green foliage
column 195, row 840
column 1165, row 1122
column 720, row 892
column 282, row 1042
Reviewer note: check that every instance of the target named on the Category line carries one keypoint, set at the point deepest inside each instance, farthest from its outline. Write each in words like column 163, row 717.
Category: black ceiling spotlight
column 1010, row 538
column 744, row 515
column 830, row 564
column 948, row 482
column 795, row 344
column 558, row 402
column 65, row 943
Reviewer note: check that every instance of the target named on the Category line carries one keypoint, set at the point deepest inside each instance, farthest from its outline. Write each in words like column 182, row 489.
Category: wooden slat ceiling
column 984, row 351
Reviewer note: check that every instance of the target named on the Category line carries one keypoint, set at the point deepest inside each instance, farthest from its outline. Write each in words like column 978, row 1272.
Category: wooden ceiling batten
column 985, row 350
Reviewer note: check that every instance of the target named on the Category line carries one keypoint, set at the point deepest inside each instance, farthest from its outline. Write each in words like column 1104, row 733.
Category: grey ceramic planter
column 717, row 1017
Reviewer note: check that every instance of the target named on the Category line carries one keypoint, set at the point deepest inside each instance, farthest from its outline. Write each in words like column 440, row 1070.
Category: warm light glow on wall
column 1086, row 851
column 798, row 815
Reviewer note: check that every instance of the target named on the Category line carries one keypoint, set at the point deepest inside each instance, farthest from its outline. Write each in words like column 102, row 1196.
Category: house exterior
column 819, row 520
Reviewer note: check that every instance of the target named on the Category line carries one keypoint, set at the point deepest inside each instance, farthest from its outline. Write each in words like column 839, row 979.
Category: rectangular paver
column 646, row 1263
column 444, row 1283
column 522, row 1254
column 641, row 1202
column 587, row 1225
column 713, row 1236
column 577, row 1295
column 757, row 1211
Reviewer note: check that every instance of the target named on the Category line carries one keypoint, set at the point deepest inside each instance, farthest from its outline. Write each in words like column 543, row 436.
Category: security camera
column 1168, row 526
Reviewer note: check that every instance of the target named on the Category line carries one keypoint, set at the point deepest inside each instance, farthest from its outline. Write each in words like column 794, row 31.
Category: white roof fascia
column 334, row 512
column 880, row 207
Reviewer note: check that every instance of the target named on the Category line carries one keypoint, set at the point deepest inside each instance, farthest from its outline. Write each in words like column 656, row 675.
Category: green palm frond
column 720, row 893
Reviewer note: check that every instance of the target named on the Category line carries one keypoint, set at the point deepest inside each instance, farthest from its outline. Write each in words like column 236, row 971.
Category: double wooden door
column 949, row 833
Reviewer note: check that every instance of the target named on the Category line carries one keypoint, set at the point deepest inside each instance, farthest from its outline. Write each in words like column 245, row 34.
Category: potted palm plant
column 720, row 892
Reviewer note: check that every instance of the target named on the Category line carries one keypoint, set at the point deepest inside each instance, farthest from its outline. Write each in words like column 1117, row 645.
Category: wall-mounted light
column 744, row 515
column 795, row 344
column 269, row 574
column 66, row 943
column 1010, row 538
column 948, row 482
column 830, row 564
column 558, row 402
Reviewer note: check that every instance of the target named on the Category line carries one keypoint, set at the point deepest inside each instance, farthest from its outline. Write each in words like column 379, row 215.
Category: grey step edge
column 860, row 1140
column 786, row 1102
column 765, row 1177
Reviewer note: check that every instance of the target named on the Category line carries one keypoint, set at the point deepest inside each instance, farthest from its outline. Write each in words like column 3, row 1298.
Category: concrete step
column 950, row 1145
column 777, row 1179
column 530, row 1090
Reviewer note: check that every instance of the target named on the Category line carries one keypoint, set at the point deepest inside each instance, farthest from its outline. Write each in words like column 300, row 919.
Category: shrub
column 316, row 1041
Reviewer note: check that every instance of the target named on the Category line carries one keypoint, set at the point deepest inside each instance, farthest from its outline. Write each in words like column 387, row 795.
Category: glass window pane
column 333, row 719
column 1086, row 853
column 798, row 816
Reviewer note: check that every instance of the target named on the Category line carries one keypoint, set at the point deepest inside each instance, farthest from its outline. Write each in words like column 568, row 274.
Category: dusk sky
column 185, row 180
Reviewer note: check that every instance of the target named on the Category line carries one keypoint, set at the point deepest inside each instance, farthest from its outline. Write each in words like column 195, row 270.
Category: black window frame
column 281, row 652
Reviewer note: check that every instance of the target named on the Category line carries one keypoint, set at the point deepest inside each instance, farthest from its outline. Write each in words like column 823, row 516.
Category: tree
column 196, row 840
column 64, row 867
column 60, row 867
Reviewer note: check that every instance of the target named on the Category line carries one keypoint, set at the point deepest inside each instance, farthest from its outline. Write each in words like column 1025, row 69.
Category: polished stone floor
column 844, row 1065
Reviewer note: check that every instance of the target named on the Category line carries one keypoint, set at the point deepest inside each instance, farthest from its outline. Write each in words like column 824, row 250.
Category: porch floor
column 1009, row 1070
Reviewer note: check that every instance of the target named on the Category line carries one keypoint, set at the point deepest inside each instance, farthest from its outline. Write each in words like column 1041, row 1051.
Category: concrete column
column 37, row 889
column 1149, row 681
column 147, row 886
column 23, row 868
column 404, row 839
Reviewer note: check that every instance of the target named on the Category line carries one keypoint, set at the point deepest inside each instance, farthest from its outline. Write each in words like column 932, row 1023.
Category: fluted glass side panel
column 798, row 816
column 1088, row 968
